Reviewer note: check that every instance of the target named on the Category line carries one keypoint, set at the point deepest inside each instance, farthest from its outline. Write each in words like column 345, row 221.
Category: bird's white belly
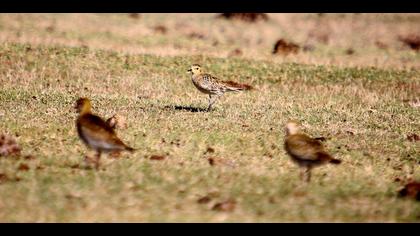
column 99, row 144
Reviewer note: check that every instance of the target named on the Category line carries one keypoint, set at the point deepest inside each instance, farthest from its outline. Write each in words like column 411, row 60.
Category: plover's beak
column 189, row 70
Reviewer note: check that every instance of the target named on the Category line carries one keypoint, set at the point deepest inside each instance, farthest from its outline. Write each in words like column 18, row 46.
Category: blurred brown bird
column 305, row 151
column 212, row 86
column 95, row 132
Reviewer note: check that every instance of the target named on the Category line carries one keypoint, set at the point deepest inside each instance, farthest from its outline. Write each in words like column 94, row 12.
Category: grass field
column 364, row 104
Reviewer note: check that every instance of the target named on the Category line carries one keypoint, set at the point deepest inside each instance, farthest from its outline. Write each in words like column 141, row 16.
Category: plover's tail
column 234, row 86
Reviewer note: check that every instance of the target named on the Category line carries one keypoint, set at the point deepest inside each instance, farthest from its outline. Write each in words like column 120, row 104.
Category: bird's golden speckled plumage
column 95, row 132
column 304, row 150
column 212, row 86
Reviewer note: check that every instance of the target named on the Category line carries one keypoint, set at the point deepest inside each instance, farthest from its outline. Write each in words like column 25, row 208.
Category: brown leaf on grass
column 157, row 157
column 209, row 150
column 299, row 194
column 196, row 35
column 211, row 161
column 114, row 154
column 227, row 206
column 134, row 15
column 411, row 189
column 349, row 132
column 40, row 167
column 3, row 178
column 413, row 137
column 411, row 40
column 381, row 45
column 283, row 47
column 349, row 51
column 23, row 167
column 204, row 200
column 75, row 166
column 29, row 157
column 247, row 17
column 8, row 146
column 216, row 161
column 160, row 29
column 235, row 53
column 50, row 28
column 71, row 196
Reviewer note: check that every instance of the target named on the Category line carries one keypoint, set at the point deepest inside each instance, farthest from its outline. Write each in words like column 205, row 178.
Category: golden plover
column 212, row 86
column 95, row 132
column 305, row 151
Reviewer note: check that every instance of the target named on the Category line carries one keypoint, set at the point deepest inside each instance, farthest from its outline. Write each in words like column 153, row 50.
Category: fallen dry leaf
column 213, row 161
column 209, row 150
column 23, row 167
column 411, row 40
column 3, row 178
column 227, row 206
column 235, row 53
column 29, row 157
column 8, row 146
column 349, row 51
column 204, row 200
column 283, row 47
column 381, row 45
column 134, row 15
column 75, row 166
column 157, row 157
column 247, row 17
column 115, row 154
column 196, row 35
column 160, row 29
column 40, row 167
column 411, row 189
column 413, row 137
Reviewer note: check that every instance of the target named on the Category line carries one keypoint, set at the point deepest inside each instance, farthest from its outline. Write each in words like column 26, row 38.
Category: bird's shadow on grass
column 186, row 108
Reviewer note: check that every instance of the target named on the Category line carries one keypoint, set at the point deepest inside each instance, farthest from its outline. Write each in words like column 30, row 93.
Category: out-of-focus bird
column 305, row 151
column 212, row 86
column 95, row 132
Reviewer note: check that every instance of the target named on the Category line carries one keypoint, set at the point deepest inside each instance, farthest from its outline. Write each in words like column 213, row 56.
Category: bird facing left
column 95, row 132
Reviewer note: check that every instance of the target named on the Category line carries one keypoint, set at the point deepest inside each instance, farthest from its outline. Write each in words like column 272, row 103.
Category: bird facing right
column 95, row 132
column 305, row 151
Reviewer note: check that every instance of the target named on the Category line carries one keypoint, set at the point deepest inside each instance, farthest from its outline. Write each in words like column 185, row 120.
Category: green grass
column 360, row 110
